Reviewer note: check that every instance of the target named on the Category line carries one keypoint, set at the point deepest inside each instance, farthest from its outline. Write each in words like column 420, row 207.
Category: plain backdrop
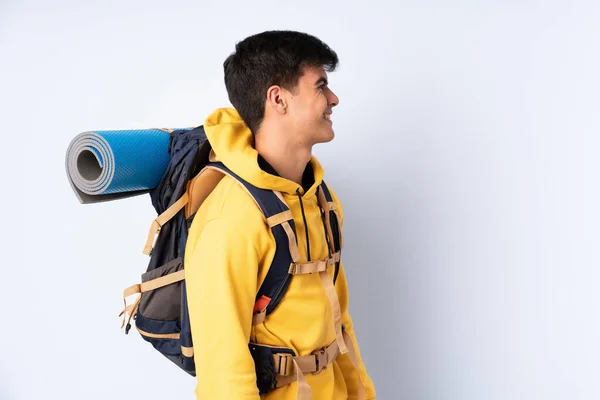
column 465, row 155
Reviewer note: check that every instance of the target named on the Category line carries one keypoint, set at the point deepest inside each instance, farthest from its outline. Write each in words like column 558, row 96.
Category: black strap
column 278, row 278
column 335, row 229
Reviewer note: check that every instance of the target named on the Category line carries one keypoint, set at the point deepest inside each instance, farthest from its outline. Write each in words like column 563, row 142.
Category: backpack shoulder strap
column 281, row 221
column 332, row 225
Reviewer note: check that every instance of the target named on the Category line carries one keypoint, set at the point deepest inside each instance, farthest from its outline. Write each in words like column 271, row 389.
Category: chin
column 326, row 137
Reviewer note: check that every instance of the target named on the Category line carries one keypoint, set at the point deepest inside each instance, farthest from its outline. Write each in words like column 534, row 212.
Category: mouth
column 327, row 117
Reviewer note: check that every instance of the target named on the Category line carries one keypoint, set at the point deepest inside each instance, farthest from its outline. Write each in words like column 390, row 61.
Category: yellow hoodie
column 229, row 250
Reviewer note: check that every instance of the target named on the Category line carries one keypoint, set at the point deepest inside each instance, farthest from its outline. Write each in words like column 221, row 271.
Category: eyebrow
column 321, row 80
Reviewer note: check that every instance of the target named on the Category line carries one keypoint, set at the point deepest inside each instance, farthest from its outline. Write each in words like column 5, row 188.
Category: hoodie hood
column 232, row 144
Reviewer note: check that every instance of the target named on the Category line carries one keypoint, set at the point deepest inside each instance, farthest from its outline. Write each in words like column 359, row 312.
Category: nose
column 333, row 99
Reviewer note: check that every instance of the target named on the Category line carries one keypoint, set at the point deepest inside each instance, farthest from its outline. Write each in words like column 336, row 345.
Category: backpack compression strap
column 162, row 219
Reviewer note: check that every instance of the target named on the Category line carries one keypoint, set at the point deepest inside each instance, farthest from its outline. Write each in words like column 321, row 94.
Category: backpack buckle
column 293, row 269
column 284, row 364
column 321, row 361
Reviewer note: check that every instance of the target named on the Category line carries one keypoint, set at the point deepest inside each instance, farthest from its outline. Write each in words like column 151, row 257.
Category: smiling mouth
column 327, row 117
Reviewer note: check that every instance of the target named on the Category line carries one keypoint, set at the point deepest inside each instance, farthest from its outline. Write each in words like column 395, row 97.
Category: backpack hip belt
column 290, row 368
column 278, row 367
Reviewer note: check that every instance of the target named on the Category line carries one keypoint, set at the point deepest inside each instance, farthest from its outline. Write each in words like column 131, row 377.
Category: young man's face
column 310, row 106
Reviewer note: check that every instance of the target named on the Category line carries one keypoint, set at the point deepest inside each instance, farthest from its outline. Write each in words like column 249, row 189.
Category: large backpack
column 160, row 311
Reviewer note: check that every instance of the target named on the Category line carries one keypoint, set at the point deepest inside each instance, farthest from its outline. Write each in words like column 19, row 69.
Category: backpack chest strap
column 313, row 266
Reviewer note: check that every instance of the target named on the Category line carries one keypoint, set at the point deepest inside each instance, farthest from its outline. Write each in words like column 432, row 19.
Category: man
column 277, row 83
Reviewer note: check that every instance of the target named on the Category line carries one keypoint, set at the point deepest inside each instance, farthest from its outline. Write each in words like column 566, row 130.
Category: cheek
column 320, row 105
column 310, row 111
column 325, row 101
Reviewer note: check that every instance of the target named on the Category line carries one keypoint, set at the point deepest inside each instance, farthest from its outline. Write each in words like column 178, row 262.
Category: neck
column 288, row 158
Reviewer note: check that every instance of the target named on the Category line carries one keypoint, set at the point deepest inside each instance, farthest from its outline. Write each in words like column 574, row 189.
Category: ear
column 276, row 99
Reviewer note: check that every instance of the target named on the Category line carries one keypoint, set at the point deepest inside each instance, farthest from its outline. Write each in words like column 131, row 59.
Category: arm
column 221, row 265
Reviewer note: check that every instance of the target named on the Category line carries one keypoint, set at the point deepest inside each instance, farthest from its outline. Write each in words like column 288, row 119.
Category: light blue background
column 466, row 157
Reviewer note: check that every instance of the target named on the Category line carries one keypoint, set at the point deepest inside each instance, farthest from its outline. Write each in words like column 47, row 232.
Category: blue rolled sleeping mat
column 115, row 164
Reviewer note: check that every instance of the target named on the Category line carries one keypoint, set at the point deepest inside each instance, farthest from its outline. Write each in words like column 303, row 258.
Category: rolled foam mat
column 115, row 164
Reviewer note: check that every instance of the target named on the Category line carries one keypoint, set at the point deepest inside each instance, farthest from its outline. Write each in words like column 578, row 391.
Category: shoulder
column 232, row 208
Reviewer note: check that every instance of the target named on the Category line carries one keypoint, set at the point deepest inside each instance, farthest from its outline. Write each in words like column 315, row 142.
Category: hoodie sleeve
column 221, row 275
column 343, row 360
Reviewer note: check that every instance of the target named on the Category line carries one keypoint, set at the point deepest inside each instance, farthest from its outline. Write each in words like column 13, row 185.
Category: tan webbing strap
column 290, row 369
column 310, row 267
column 281, row 198
column 337, row 214
column 133, row 289
column 158, row 335
column 165, row 130
column 295, row 253
column 283, row 364
column 259, row 317
column 172, row 210
column 187, row 351
column 144, row 287
column 352, row 354
column 289, row 231
column 280, row 218
column 154, row 229
column 313, row 363
column 163, row 219
column 335, row 307
column 304, row 390
column 283, row 380
column 332, row 206
column 318, row 361
column 163, row 281
column 131, row 309
column 326, row 207
column 336, row 256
